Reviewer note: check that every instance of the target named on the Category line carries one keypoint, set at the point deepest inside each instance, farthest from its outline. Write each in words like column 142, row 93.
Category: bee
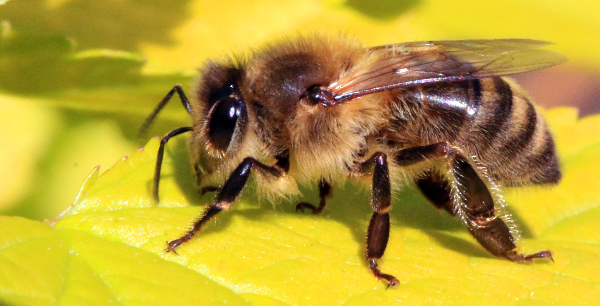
column 325, row 109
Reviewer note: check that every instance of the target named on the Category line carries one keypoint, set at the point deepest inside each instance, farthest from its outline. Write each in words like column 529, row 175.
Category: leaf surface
column 111, row 244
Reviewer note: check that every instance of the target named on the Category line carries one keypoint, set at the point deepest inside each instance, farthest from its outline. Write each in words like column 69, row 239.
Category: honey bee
column 325, row 109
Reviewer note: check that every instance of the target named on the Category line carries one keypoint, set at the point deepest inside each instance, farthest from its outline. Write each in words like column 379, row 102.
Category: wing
column 407, row 64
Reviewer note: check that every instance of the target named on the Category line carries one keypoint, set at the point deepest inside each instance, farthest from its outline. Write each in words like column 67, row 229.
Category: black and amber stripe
column 490, row 118
column 492, row 106
column 509, row 137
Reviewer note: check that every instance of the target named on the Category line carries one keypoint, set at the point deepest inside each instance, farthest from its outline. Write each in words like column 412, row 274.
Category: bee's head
column 220, row 117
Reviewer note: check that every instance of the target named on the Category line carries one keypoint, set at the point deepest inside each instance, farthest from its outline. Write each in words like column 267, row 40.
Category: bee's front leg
column 230, row 191
column 159, row 157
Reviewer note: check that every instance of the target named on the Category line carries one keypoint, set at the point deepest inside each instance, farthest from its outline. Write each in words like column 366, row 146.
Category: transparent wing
column 407, row 64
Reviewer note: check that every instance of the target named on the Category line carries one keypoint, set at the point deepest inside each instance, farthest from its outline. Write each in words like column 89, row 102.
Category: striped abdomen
column 489, row 118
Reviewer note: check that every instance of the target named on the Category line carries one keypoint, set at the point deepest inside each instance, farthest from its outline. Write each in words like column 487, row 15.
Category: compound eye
column 227, row 119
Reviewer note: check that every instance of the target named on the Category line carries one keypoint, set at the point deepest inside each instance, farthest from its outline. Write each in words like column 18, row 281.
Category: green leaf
column 110, row 245
column 31, row 62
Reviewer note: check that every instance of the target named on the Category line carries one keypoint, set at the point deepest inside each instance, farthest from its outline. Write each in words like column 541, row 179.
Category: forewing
column 407, row 64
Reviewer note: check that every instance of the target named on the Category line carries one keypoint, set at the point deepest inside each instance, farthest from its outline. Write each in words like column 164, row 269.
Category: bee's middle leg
column 324, row 192
column 379, row 227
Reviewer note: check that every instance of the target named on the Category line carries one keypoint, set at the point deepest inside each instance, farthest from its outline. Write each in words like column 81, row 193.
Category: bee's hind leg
column 437, row 190
column 478, row 209
column 324, row 192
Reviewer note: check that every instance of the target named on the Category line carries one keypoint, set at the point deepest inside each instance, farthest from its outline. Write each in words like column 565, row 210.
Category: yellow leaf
column 43, row 266
column 276, row 255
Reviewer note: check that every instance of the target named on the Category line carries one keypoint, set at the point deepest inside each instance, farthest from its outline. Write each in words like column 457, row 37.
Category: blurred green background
column 78, row 77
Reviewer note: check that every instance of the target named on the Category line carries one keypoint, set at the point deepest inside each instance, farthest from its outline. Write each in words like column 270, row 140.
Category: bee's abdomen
column 490, row 119
column 508, row 136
